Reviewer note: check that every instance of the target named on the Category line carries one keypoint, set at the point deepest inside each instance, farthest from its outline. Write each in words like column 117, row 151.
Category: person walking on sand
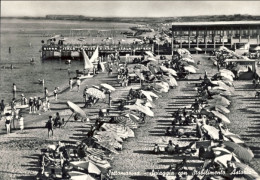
column 34, row 107
column 70, row 84
column 39, row 105
column 50, row 126
column 78, row 83
column 8, row 123
column 21, row 123
column 30, row 105
column 55, row 93
column 14, row 90
column 46, row 93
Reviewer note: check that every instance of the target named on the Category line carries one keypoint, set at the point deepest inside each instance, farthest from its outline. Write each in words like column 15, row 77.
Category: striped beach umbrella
column 96, row 93
column 86, row 165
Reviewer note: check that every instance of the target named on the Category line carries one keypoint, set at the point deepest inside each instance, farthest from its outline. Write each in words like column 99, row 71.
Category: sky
column 129, row 8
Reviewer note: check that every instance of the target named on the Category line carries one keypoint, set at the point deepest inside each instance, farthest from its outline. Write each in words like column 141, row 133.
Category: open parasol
column 223, row 155
column 110, row 134
column 149, row 95
column 86, row 165
column 149, row 53
column 212, row 131
column 222, row 109
column 112, row 141
column 188, row 60
column 145, row 110
column 190, row 69
column 108, row 86
column 242, row 153
column 221, row 116
column 96, row 93
column 75, row 110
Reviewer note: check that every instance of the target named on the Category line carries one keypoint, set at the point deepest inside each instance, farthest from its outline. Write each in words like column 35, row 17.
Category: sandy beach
column 19, row 151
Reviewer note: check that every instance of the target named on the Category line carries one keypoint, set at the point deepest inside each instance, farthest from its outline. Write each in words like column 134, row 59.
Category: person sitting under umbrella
column 170, row 149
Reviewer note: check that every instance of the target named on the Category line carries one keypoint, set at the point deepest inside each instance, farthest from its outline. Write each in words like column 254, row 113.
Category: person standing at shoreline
column 30, row 105
column 8, row 123
column 70, row 84
column 49, row 125
column 21, row 123
column 14, row 90
column 46, row 93
column 39, row 104
column 34, row 107
column 78, row 83
column 55, row 93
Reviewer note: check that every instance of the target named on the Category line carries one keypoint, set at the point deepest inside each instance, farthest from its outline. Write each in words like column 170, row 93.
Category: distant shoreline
column 135, row 20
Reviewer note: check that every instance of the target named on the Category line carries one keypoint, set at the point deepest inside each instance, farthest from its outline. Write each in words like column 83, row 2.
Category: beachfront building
column 208, row 36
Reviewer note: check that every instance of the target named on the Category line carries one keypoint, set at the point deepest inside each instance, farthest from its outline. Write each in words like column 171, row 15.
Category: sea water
column 24, row 37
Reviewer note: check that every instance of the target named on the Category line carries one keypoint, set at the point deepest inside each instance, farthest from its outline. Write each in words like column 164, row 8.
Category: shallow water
column 24, row 37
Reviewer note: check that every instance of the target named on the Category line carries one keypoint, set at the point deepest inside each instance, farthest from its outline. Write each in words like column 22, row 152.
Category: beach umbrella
column 198, row 49
column 96, row 93
column 131, row 107
column 86, row 165
column 108, row 146
column 248, row 172
column 108, row 86
column 234, row 138
column 76, row 109
column 149, row 95
column 149, row 53
column 140, row 75
column 190, row 69
column 141, row 67
column 188, row 60
column 164, row 68
column 171, row 81
column 172, row 72
column 151, row 59
column 221, row 116
column 257, row 48
column 226, row 76
column 161, row 87
column 95, row 152
column 76, row 175
column 110, row 134
column 218, row 88
column 221, row 98
column 120, row 130
column 222, row 109
column 133, row 117
column 145, row 110
column 126, row 121
column 223, row 155
column 112, row 142
column 227, row 72
column 242, row 153
column 212, row 131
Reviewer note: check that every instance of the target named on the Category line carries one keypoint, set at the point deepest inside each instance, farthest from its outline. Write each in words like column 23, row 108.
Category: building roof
column 216, row 23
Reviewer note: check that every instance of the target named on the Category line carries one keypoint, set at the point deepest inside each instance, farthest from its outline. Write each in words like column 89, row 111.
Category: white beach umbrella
column 108, row 86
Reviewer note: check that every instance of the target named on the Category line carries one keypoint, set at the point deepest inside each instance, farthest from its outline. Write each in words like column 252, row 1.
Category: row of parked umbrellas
column 233, row 148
